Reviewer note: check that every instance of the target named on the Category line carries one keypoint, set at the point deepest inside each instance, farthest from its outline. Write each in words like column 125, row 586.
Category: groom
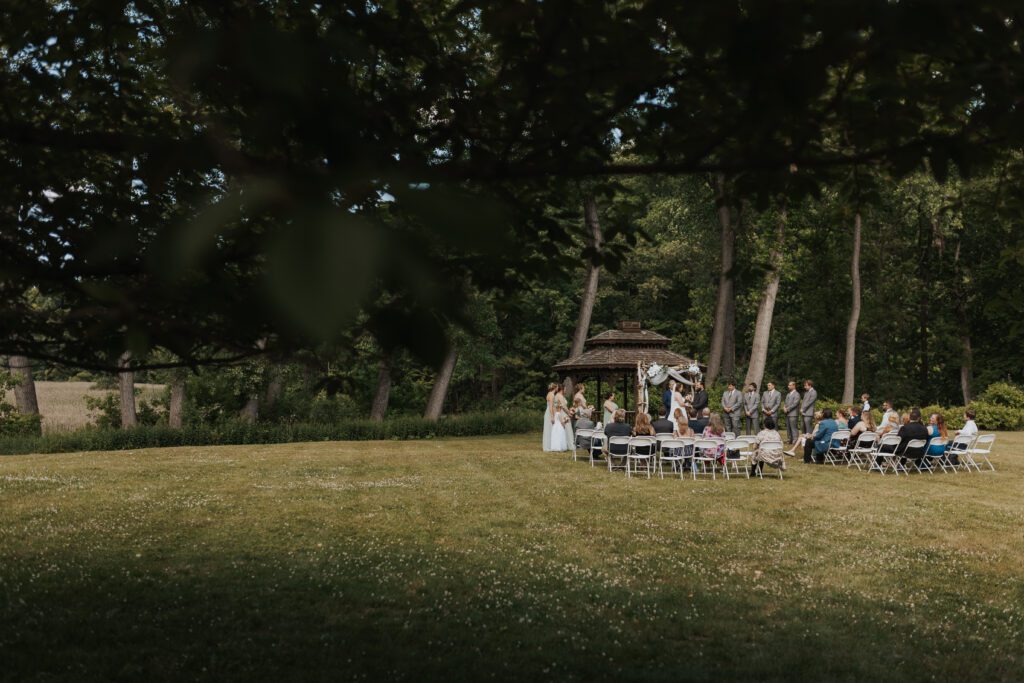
column 666, row 396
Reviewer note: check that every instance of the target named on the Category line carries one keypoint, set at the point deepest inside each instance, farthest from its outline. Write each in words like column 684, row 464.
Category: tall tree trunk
column 766, row 309
column 720, row 332
column 593, row 272
column 251, row 410
column 729, row 349
column 25, row 391
column 177, row 406
column 275, row 385
column 126, row 380
column 435, row 404
column 849, row 376
column 966, row 353
column 380, row 399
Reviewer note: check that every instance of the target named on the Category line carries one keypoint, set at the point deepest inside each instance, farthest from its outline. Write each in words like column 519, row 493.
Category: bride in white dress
column 561, row 430
column 677, row 402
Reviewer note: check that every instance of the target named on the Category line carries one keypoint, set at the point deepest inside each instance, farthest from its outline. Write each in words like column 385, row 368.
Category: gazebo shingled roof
column 620, row 349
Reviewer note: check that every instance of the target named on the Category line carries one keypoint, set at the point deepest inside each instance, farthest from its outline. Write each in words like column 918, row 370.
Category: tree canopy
column 220, row 180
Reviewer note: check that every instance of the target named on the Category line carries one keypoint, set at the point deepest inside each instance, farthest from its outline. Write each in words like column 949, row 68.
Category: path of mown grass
column 484, row 558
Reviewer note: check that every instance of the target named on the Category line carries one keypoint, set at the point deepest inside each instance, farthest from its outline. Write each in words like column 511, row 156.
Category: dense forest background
column 939, row 275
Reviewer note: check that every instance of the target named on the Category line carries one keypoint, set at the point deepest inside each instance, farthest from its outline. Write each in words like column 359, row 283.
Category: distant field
column 486, row 559
column 62, row 404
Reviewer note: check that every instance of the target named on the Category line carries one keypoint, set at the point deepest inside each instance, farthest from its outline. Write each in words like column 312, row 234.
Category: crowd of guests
column 908, row 426
column 752, row 414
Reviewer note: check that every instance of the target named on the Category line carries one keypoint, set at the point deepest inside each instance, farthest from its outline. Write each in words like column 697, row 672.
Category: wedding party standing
column 609, row 408
column 792, row 410
column 731, row 406
column 561, row 427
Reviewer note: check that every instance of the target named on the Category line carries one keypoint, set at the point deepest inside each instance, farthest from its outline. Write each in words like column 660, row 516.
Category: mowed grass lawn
column 484, row 558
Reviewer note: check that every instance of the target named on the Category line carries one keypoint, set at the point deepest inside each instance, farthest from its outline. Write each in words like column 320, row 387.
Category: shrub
column 153, row 436
column 1000, row 406
column 108, row 409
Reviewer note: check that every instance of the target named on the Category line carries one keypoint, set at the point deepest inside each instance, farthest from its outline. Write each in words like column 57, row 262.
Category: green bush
column 1000, row 406
column 227, row 433
column 108, row 410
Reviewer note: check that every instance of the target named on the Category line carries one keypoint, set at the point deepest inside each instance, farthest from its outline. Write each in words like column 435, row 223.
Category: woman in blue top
column 937, row 427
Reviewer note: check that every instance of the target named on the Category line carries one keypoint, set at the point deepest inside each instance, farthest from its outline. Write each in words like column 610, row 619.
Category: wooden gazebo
column 614, row 354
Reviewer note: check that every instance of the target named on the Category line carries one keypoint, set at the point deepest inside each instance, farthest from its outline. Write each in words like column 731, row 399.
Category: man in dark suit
column 910, row 431
column 854, row 417
column 666, row 396
column 618, row 427
column 697, row 424
column 663, row 425
column 700, row 399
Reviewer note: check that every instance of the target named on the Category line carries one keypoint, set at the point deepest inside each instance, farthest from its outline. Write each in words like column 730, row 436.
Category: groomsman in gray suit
column 770, row 402
column 807, row 405
column 792, row 410
column 731, row 406
column 750, row 407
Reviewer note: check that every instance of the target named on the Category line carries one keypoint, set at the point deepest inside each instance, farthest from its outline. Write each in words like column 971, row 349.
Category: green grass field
column 483, row 558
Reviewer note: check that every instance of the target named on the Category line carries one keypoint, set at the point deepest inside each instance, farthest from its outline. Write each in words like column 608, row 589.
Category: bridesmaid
column 549, row 416
column 609, row 408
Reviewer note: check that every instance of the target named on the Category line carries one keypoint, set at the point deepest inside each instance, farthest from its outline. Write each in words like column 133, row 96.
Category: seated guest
column 769, row 448
column 584, row 423
column 801, row 441
column 815, row 447
column 684, row 426
column 854, row 417
column 904, row 421
column 890, row 419
column 969, row 429
column 618, row 427
column 716, row 430
column 913, row 429
column 937, row 428
column 663, row 425
column 700, row 421
column 642, row 426
column 866, row 423
column 841, row 419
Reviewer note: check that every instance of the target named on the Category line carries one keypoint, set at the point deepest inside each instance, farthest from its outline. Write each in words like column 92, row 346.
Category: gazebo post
column 625, row 393
column 598, row 401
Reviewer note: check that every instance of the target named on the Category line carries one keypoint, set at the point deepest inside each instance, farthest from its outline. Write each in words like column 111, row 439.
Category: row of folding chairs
column 650, row 455
column 882, row 453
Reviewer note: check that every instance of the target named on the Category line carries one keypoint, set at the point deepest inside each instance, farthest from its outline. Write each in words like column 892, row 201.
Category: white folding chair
column 959, row 448
column 982, row 448
column 769, row 445
column 620, row 457
column 705, row 453
column 598, row 441
column 728, row 436
column 673, row 452
column 913, row 445
column 884, row 455
column 929, row 460
column 862, row 449
column 641, row 450
column 736, row 451
column 836, row 451
column 577, row 444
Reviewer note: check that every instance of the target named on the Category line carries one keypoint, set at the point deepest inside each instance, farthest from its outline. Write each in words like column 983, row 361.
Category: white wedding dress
column 558, row 434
